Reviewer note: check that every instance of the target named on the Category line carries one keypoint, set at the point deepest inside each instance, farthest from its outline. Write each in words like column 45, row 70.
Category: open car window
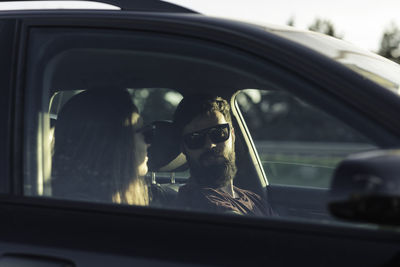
column 284, row 141
column 69, row 69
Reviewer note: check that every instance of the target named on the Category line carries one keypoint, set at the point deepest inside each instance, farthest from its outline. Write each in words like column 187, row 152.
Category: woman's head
column 99, row 154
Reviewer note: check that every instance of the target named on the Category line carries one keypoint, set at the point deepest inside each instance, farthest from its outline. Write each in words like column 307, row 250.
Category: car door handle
column 24, row 260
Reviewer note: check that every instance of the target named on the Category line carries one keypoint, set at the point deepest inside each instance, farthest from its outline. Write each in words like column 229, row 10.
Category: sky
column 361, row 22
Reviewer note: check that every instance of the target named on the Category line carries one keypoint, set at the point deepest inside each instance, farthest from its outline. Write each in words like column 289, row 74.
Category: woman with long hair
column 100, row 152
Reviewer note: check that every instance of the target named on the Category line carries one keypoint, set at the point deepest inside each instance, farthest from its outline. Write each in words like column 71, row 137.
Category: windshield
column 376, row 68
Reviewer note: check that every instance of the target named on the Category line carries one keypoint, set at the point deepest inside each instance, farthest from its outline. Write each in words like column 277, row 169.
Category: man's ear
column 233, row 134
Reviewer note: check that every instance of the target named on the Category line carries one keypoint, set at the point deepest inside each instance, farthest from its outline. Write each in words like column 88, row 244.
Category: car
column 316, row 126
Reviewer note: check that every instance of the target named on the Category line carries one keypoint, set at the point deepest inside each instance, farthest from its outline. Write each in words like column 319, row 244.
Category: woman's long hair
column 94, row 149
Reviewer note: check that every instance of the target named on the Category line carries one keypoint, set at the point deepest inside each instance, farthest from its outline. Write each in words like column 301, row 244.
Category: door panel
column 299, row 202
column 103, row 235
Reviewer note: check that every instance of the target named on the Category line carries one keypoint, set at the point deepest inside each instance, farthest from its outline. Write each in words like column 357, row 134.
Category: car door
column 188, row 55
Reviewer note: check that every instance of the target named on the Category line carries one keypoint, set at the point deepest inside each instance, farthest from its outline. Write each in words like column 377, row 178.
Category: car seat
column 165, row 160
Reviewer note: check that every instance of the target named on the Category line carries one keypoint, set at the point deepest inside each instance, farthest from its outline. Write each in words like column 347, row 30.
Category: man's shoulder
column 259, row 203
column 247, row 193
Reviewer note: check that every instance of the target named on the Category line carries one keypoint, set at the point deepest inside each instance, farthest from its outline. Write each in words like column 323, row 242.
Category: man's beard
column 216, row 174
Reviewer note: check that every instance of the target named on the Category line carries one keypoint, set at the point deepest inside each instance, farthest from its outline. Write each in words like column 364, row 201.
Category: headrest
column 164, row 152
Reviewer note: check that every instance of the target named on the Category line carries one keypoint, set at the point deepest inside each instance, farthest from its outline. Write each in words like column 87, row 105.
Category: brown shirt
column 192, row 196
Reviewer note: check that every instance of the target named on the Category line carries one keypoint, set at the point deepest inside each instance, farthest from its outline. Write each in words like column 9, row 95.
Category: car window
column 297, row 144
column 84, row 139
column 75, row 91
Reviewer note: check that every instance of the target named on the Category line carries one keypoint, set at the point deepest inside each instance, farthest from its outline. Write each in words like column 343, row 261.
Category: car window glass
column 297, row 143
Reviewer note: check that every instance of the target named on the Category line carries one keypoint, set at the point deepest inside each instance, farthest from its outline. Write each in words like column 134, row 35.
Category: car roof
column 131, row 5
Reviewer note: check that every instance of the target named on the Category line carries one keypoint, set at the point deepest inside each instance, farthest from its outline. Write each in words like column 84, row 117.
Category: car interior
column 161, row 68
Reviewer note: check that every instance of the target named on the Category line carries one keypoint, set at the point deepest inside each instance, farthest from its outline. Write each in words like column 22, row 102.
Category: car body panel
column 89, row 234
column 109, row 230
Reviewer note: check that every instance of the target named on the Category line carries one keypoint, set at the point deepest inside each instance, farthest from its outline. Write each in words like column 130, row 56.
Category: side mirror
column 366, row 188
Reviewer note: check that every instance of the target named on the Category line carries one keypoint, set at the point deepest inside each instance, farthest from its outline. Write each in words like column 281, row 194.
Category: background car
column 301, row 103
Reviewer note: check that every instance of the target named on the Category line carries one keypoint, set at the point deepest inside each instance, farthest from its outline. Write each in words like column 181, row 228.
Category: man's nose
column 209, row 144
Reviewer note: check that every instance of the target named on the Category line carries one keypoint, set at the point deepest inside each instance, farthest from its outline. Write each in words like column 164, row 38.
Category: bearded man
column 208, row 142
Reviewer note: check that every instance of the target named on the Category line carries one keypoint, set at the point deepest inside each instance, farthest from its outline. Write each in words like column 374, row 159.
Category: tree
column 390, row 43
column 324, row 26
column 291, row 21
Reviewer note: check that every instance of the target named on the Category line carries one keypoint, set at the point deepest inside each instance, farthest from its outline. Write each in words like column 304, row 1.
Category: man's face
column 212, row 164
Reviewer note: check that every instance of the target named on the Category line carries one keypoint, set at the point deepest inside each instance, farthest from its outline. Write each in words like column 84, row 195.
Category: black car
column 316, row 125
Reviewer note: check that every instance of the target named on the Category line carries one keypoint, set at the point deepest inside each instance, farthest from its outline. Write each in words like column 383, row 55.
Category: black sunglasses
column 148, row 132
column 217, row 134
